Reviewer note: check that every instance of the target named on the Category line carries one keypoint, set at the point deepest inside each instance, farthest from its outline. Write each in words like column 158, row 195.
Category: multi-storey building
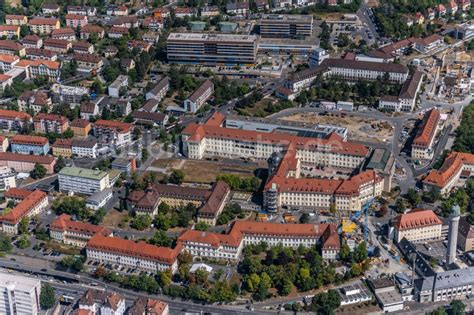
column 44, row 25
column 62, row 147
column 80, row 127
column 158, row 91
column 60, row 46
column 406, row 100
column 12, row 19
column 83, row 47
column 199, row 97
column 19, row 295
column 7, row 62
column 113, row 132
column 212, row 48
column 214, row 204
column 44, row 68
column 7, row 178
column 4, row 144
column 94, row 302
column 29, row 145
column 82, row 180
column 81, row 10
column 76, row 20
column 32, row 41
column 418, row 226
column 13, row 120
column 41, row 54
column 286, row 26
column 90, row 29
column 10, row 47
column 141, row 255
column 144, row 306
column 72, row 95
column 465, row 234
column 32, row 204
column 88, row 62
column 26, row 163
column 34, row 101
column 422, row 145
column 84, row 148
column 243, row 233
column 45, row 123
column 75, row 233
column 10, row 31
column 457, row 165
column 65, row 33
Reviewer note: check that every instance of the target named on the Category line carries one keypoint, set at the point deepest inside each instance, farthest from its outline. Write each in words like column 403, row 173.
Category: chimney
column 453, row 234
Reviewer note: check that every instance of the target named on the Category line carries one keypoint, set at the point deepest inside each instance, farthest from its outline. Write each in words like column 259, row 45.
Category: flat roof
column 287, row 18
column 454, row 278
column 83, row 172
column 212, row 37
column 98, row 196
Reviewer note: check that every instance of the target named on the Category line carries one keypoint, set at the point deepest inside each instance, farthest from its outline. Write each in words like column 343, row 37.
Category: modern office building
column 212, row 49
column 286, row 26
column 82, row 180
column 19, row 295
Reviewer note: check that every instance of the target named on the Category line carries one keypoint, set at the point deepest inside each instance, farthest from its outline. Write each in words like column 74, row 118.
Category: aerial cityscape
column 236, row 157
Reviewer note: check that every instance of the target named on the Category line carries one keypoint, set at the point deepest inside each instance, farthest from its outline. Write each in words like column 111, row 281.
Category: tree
column 201, row 226
column 360, row 252
column 23, row 241
column 439, row 311
column 141, row 222
column 71, row 205
column 326, row 303
column 345, row 252
column 5, row 243
column 304, row 218
column 176, row 177
column 38, row 172
column 60, row 163
column 68, row 134
column 23, row 225
column 98, row 216
column 400, row 206
column 413, row 197
column 47, row 298
column 161, row 239
column 457, row 307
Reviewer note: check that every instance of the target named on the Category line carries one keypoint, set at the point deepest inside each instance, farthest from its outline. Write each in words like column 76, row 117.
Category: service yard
column 359, row 128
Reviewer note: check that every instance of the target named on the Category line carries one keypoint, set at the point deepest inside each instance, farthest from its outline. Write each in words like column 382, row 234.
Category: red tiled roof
column 17, row 193
column 427, row 130
column 415, row 219
column 25, row 139
column 36, row 63
column 453, row 163
column 62, row 143
column 113, row 124
column 14, row 17
column 13, row 28
column 71, row 16
column 130, row 248
column 41, row 159
column 24, row 207
column 213, row 239
column 63, row 31
column 43, row 116
column 11, row 114
column 43, row 21
column 64, row 223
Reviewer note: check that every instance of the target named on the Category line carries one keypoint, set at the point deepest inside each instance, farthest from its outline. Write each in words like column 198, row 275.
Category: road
column 76, row 284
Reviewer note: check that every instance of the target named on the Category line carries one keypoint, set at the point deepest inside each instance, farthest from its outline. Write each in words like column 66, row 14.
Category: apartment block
column 82, row 180
column 19, row 294
column 62, row 147
column 13, row 19
column 76, row 20
column 212, row 49
column 13, row 120
column 200, row 96
column 422, row 146
column 45, row 123
column 7, row 178
column 29, row 145
column 26, row 163
column 44, row 26
column 113, row 132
